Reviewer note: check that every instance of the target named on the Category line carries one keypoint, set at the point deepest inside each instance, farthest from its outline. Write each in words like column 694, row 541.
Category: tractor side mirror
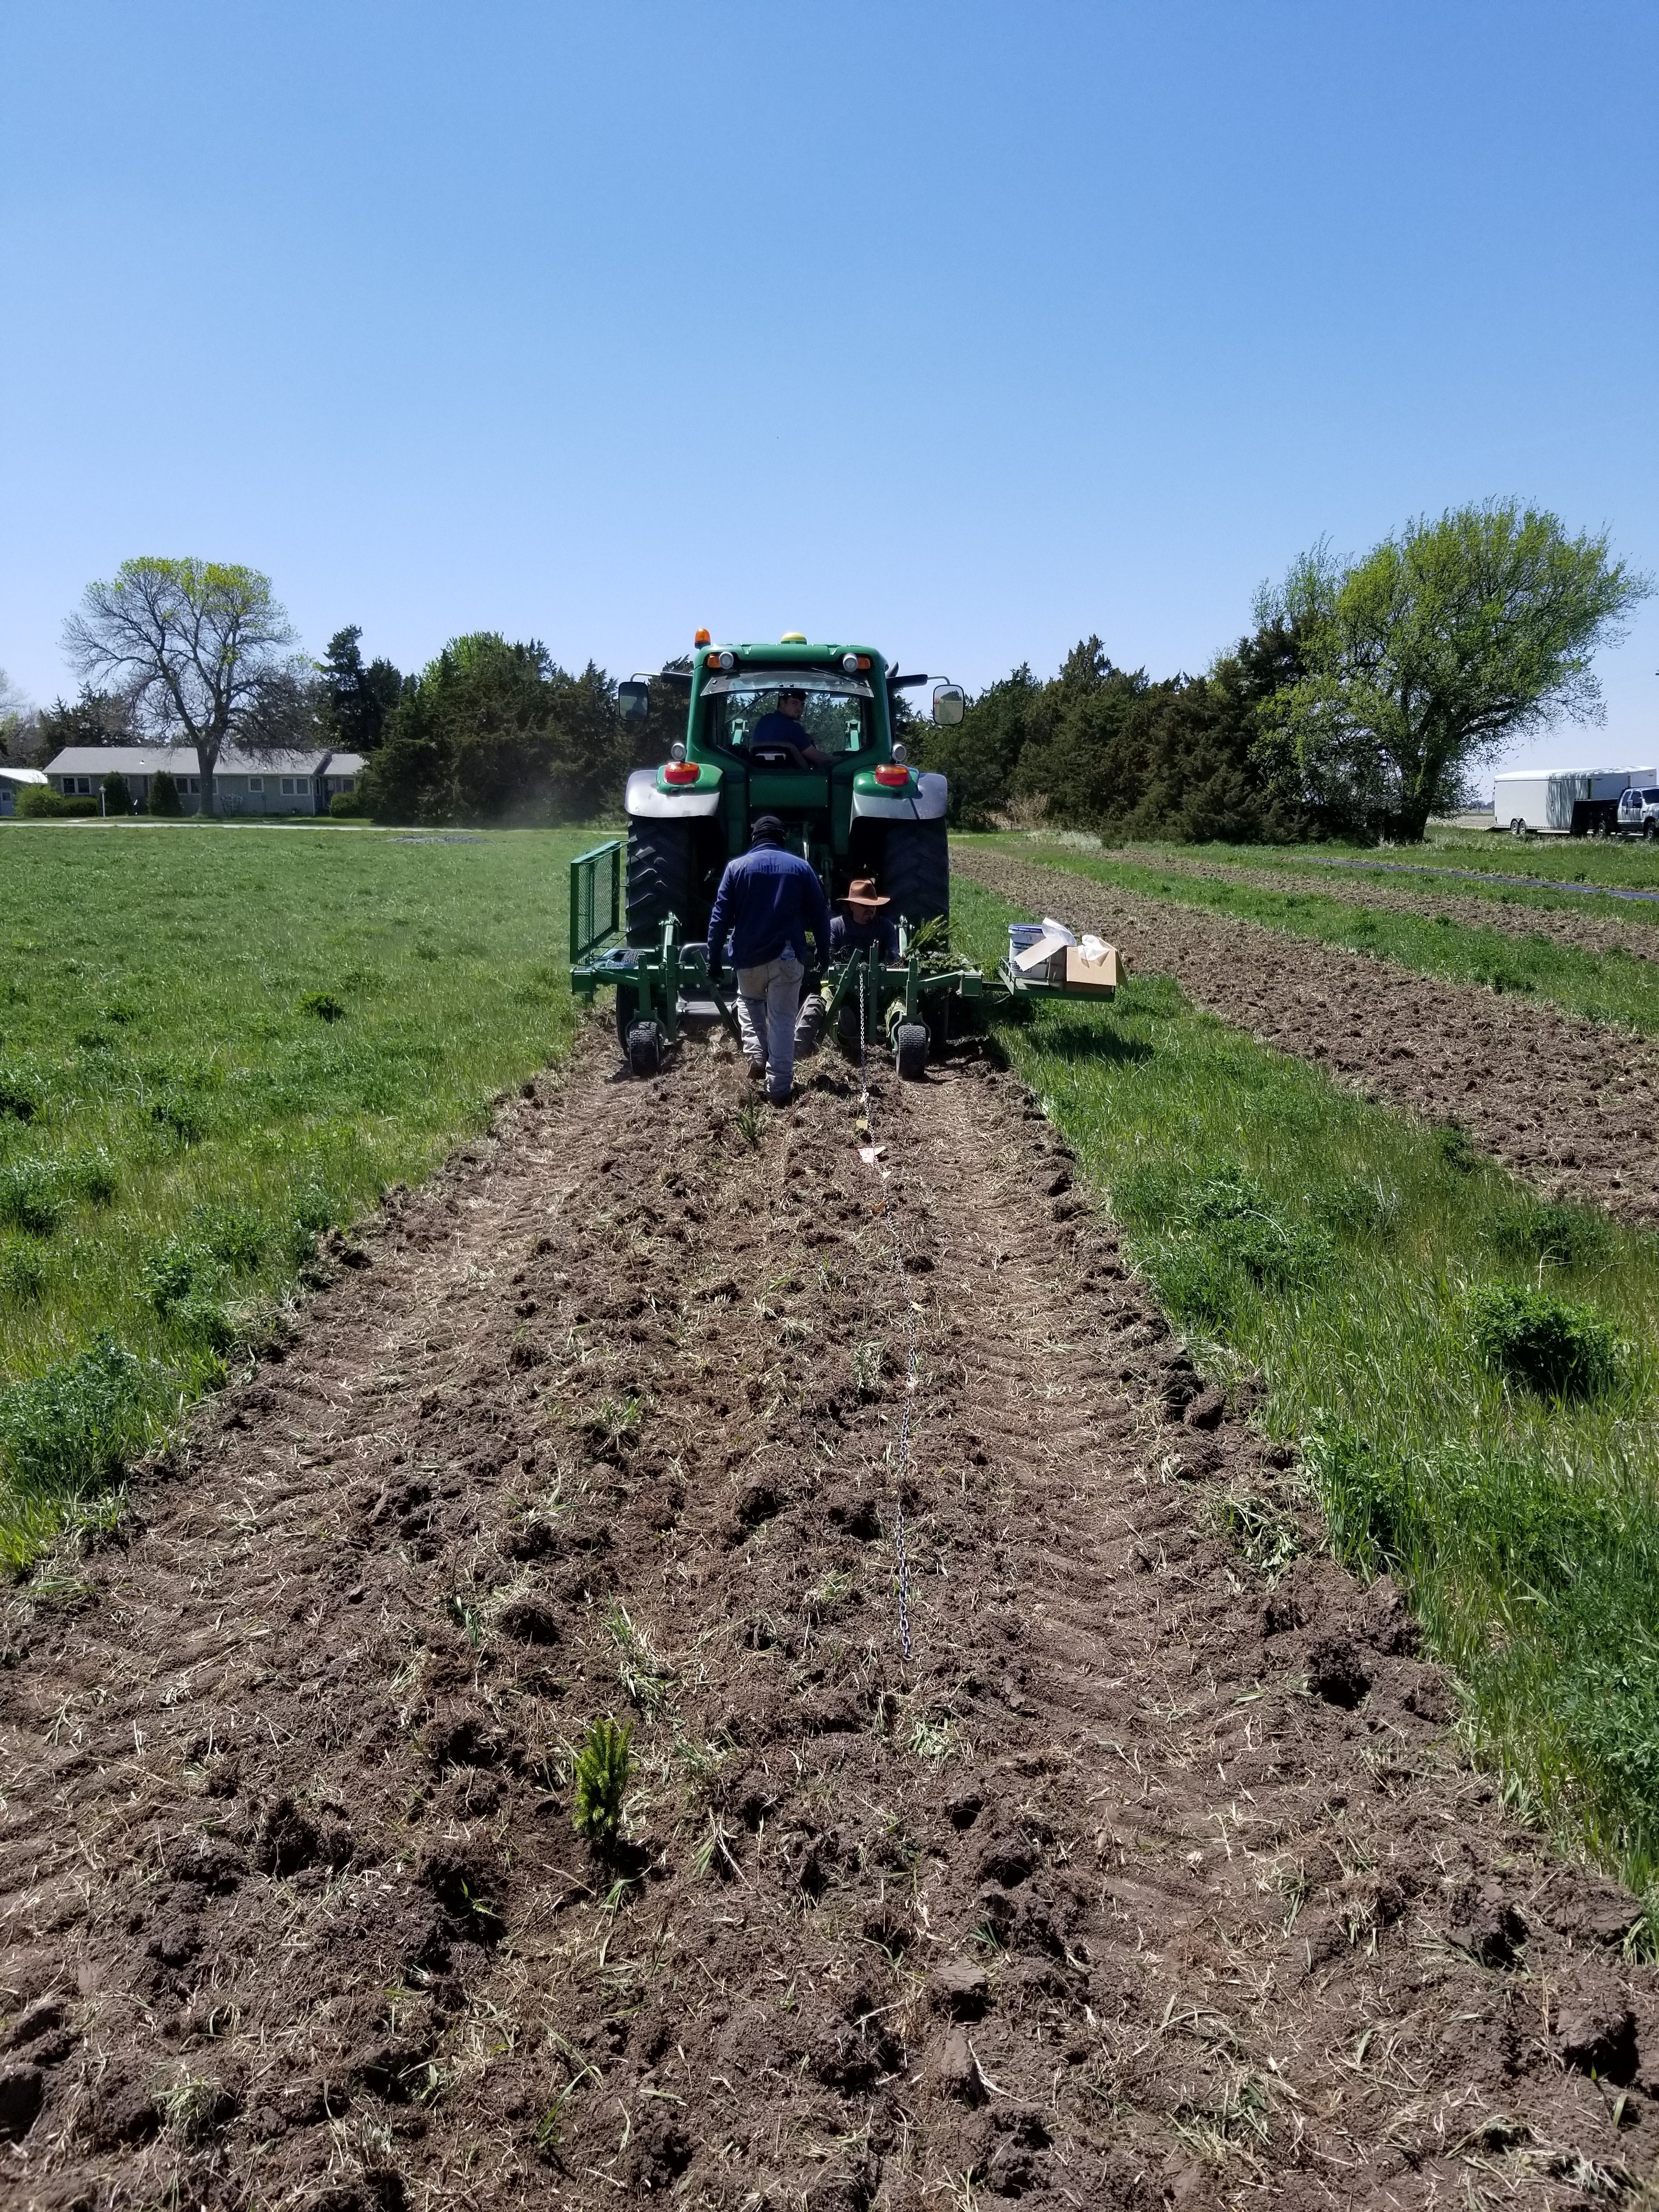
column 634, row 698
column 950, row 705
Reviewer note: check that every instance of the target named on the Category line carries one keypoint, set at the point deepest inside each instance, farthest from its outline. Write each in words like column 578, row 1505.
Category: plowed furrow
column 1095, row 1898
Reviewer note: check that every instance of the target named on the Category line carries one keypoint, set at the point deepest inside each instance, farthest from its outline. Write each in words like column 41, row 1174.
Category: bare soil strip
column 1142, row 1882
column 1585, row 932
column 1571, row 1105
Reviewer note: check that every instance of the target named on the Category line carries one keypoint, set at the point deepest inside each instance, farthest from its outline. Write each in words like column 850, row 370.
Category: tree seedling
column 603, row 1767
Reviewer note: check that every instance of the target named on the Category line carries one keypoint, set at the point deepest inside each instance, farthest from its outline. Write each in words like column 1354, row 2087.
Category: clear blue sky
column 965, row 329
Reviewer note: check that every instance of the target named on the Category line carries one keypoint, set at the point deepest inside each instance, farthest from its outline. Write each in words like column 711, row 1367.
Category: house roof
column 347, row 764
column 180, row 760
column 9, row 775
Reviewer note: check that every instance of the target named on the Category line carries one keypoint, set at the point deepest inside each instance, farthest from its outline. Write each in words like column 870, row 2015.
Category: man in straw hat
column 865, row 922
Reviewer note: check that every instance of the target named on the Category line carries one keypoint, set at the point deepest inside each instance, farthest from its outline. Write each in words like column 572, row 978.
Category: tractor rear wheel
column 910, row 1051
column 659, row 877
column 916, row 871
column 628, row 1012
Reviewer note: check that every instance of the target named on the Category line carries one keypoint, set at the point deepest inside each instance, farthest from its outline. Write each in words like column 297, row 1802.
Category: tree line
column 1360, row 704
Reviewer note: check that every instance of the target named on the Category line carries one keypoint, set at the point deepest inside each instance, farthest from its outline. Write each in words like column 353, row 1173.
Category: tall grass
column 1363, row 1264
column 1603, row 986
column 216, row 1041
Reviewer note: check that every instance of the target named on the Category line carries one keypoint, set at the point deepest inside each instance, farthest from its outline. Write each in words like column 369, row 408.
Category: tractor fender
column 927, row 803
column 646, row 802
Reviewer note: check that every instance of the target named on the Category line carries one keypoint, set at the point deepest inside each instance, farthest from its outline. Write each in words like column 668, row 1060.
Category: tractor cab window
column 834, row 717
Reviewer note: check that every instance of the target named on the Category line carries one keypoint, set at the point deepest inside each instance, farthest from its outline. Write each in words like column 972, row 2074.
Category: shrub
column 324, row 1005
column 348, row 805
column 22, row 1274
column 75, row 1427
column 1544, row 1343
column 1535, row 1228
column 1235, row 1218
column 39, row 803
column 17, row 1105
column 603, row 1766
column 171, row 1274
column 1456, row 1149
column 118, row 794
column 164, row 798
column 235, row 1237
column 93, row 1180
column 199, row 1319
column 181, row 1119
column 314, row 1212
column 31, row 1198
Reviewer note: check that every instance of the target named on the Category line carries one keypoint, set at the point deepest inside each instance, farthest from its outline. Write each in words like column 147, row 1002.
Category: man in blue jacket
column 770, row 902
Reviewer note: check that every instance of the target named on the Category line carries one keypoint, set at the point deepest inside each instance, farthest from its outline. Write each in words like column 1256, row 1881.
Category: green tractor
column 804, row 732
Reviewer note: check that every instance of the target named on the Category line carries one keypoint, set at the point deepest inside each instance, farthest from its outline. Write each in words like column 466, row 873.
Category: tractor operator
column 770, row 902
column 782, row 727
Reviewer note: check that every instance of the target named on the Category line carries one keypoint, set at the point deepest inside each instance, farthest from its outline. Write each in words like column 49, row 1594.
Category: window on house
column 288, row 787
column 256, row 783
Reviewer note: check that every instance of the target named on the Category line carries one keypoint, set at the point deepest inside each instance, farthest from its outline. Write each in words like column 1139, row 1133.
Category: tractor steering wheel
column 778, row 752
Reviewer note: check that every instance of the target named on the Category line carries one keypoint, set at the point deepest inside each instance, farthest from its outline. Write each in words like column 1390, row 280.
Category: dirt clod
column 1205, row 1409
column 1595, row 2031
column 22, row 2090
column 958, row 2069
column 959, row 1989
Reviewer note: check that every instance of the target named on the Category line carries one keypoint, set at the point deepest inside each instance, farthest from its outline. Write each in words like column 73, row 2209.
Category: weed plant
column 1603, row 986
column 216, row 1040
column 1465, row 1367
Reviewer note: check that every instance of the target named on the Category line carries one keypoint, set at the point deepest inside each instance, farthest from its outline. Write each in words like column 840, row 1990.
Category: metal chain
column 913, row 1366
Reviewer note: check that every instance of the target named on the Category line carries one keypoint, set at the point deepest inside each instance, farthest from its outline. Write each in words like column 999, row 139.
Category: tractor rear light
column 892, row 778
column 680, row 772
column 711, row 661
column 850, row 661
column 728, row 661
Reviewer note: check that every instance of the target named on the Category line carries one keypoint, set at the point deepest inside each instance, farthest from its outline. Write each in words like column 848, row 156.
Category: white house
column 13, row 780
column 276, row 782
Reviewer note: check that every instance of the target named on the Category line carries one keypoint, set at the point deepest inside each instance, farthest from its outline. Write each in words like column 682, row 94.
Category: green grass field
column 216, row 1041
column 1467, row 1370
column 1452, row 862
column 1603, row 986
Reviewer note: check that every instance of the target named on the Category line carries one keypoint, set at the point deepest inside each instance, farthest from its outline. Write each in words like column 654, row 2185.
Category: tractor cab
column 802, row 730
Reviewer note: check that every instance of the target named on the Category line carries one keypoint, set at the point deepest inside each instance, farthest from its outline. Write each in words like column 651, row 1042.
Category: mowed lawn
column 1467, row 1372
column 216, row 1040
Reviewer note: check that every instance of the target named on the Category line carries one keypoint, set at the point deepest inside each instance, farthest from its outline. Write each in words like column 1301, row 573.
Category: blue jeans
column 771, row 994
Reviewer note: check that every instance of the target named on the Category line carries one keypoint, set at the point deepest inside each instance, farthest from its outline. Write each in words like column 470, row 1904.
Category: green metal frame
column 660, row 976
column 595, row 915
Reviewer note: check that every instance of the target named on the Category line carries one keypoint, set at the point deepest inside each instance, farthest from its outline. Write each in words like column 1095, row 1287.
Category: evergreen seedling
column 603, row 1766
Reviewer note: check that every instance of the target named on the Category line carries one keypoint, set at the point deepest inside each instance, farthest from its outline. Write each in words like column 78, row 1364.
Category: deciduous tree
column 1433, row 652
column 191, row 644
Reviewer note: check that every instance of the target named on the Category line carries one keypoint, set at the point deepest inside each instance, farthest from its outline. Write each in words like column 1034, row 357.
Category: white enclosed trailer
column 1563, row 802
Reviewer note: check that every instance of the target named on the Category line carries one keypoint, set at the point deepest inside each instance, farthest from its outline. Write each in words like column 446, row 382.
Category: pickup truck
column 1638, row 812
